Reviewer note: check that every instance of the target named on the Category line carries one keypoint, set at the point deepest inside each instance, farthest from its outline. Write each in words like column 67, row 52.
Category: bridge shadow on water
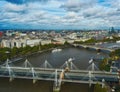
column 23, row 85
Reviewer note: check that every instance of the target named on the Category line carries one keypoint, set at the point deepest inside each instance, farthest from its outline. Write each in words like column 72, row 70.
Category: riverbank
column 23, row 52
column 46, row 50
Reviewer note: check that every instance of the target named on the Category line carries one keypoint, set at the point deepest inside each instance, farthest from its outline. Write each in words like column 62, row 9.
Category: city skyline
column 59, row 14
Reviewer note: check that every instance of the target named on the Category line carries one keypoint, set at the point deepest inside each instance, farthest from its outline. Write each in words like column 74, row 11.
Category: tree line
column 93, row 40
column 22, row 51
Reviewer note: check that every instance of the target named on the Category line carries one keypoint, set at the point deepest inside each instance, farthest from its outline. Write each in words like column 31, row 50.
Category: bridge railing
column 50, row 74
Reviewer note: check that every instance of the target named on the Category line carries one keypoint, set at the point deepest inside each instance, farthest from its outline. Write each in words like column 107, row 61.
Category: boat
column 56, row 50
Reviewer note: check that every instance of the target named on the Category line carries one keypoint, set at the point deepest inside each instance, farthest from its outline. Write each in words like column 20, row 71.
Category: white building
column 6, row 43
column 23, row 42
column 43, row 42
column 33, row 42
column 60, row 40
column 13, row 43
column 72, row 36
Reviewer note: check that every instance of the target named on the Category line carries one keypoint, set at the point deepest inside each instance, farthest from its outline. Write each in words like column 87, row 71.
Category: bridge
column 68, row 72
column 93, row 47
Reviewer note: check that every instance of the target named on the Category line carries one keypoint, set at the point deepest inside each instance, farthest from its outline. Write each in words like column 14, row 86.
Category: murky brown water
column 75, row 87
column 25, row 85
column 81, row 56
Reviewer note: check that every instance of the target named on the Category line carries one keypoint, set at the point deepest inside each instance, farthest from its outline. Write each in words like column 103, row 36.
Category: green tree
column 98, row 88
column 35, row 49
column 103, row 64
column 14, row 52
column 104, row 89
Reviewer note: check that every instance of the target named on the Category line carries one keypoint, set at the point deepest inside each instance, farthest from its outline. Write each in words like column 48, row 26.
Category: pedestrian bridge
column 58, row 75
column 49, row 74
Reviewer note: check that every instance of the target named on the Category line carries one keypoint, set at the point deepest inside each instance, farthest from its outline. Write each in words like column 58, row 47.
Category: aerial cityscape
column 59, row 46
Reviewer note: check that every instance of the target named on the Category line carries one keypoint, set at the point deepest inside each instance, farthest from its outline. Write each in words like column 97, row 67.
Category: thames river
column 81, row 61
column 81, row 57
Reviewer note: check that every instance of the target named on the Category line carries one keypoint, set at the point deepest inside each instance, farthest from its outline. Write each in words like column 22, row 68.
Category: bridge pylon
column 69, row 65
column 10, row 72
column 27, row 64
column 92, row 65
column 46, row 64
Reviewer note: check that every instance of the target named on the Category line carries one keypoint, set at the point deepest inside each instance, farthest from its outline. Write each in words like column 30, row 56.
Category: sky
column 59, row 14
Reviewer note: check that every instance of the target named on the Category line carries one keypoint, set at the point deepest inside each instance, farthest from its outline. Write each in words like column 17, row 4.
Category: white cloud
column 77, row 5
column 14, row 7
column 73, row 14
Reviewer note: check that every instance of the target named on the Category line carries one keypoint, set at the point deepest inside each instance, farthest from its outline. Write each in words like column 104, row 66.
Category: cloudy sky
column 59, row 14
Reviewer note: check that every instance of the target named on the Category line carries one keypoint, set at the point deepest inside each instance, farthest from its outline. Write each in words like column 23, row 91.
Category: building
column 43, row 42
column 33, row 42
column 13, row 43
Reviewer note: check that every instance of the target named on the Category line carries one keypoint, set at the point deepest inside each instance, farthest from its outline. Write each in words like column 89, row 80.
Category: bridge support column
column 11, row 75
column 90, row 76
column 56, row 80
column 56, row 86
column 34, row 76
column 11, row 79
column 34, row 81
column 103, row 83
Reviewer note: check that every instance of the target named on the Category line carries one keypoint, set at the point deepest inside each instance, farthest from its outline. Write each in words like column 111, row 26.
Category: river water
column 81, row 59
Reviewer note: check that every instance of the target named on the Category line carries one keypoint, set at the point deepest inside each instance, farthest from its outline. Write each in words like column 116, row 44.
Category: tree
column 66, row 43
column 98, row 88
column 104, row 64
column 14, row 52
column 104, row 89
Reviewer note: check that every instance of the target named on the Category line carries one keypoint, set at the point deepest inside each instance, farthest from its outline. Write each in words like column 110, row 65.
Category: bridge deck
column 94, row 47
column 49, row 74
